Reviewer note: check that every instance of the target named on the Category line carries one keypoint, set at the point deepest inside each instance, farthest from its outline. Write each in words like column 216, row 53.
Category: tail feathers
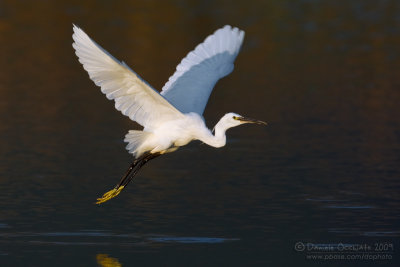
column 135, row 140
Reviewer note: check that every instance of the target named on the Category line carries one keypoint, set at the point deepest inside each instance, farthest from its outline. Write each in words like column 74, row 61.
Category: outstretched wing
column 194, row 79
column 132, row 95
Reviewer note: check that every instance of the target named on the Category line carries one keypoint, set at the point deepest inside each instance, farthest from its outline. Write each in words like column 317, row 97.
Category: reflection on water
column 106, row 261
column 323, row 74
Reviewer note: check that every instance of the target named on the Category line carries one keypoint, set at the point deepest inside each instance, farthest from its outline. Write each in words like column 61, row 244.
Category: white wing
column 132, row 95
column 194, row 79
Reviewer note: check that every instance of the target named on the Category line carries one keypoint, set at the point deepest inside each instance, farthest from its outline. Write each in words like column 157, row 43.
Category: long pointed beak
column 249, row 120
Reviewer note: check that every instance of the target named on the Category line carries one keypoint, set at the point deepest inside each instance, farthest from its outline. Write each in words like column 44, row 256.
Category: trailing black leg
column 139, row 165
column 131, row 172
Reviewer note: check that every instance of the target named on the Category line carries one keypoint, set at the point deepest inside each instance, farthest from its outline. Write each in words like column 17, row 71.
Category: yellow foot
column 110, row 194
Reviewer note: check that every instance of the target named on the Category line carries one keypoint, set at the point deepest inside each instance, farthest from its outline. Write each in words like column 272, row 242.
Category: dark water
column 322, row 180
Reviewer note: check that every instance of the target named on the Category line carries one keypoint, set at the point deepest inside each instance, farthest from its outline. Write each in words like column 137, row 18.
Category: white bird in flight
column 173, row 117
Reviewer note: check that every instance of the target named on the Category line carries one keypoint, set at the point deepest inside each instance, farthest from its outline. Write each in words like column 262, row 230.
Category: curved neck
column 219, row 138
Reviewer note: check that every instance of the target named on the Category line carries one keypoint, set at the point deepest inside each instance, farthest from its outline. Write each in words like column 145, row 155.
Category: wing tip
column 225, row 39
column 75, row 29
column 77, row 34
column 230, row 28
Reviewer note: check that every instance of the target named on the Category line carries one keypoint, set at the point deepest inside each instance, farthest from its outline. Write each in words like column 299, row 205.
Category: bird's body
column 173, row 117
column 171, row 134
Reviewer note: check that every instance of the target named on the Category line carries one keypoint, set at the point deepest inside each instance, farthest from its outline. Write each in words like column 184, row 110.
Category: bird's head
column 233, row 119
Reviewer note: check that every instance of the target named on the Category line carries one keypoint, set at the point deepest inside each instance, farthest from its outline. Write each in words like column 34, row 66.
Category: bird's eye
column 235, row 118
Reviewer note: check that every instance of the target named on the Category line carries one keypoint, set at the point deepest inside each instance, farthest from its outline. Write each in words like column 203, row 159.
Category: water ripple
column 349, row 207
column 63, row 238
column 192, row 239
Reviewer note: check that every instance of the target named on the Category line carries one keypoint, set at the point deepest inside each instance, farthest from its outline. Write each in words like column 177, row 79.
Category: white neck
column 219, row 139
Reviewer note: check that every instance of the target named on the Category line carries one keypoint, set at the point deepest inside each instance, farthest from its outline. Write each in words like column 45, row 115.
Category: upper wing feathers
column 132, row 95
column 189, row 88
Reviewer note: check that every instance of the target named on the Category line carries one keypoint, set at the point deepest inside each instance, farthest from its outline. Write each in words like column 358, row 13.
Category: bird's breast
column 181, row 132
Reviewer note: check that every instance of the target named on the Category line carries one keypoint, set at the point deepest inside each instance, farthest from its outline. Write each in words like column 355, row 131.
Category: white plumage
column 173, row 117
column 132, row 95
column 194, row 79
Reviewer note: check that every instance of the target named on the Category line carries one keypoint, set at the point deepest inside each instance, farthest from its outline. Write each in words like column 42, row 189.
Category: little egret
column 172, row 118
